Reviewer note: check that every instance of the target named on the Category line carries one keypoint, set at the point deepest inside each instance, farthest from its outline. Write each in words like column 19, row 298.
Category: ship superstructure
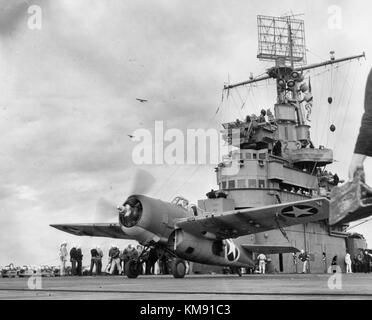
column 275, row 160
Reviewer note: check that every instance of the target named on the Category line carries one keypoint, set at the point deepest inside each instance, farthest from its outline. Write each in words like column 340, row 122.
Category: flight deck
column 194, row 287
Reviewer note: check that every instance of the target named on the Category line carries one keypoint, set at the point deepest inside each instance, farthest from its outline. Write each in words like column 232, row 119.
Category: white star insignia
column 297, row 212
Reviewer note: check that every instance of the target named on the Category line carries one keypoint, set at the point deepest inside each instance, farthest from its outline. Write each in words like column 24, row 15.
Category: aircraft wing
column 110, row 230
column 236, row 223
column 269, row 249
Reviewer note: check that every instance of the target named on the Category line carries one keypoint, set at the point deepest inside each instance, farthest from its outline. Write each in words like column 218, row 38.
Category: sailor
column 63, row 258
column 348, row 262
column 354, row 264
column 124, row 258
column 270, row 116
column 334, row 264
column 185, row 204
column 367, row 262
column 139, row 252
column 93, row 261
column 133, row 253
column 79, row 260
column 151, row 260
column 115, row 260
column 363, row 147
column 99, row 260
column 163, row 263
column 304, row 257
column 336, row 179
column 324, row 262
column 261, row 118
column 221, row 194
column 294, row 257
column 108, row 267
column 261, row 263
column 211, row 194
column 73, row 260
column 360, row 262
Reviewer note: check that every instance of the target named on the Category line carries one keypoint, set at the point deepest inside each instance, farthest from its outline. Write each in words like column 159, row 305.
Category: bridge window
column 286, row 133
column 261, row 184
column 248, row 156
column 262, row 156
column 252, row 183
column 254, row 156
column 241, row 183
column 223, row 185
column 232, row 184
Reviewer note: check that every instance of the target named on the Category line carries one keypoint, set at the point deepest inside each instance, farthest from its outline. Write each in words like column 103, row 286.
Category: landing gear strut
column 178, row 268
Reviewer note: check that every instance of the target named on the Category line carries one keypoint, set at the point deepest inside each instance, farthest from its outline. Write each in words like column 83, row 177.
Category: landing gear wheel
column 132, row 269
column 178, row 268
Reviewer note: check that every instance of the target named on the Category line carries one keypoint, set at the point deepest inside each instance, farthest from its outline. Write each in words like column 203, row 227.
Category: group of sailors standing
column 152, row 261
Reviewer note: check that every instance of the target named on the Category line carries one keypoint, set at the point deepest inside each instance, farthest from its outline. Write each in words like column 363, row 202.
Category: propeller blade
column 142, row 183
column 105, row 211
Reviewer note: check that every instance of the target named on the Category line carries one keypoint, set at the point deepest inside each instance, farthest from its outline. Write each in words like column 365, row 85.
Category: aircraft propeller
column 107, row 211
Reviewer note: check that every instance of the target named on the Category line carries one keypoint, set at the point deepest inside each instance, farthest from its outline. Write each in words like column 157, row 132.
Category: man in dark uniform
column 93, row 261
column 304, row 257
column 211, row 194
column 336, row 179
column 363, row 147
column 366, row 262
column 150, row 263
column 73, row 259
column 79, row 259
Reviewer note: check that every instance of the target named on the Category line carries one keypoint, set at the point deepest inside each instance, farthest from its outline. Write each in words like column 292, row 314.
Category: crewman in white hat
column 63, row 257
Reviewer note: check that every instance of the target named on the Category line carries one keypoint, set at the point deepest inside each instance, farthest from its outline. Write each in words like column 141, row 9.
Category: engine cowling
column 147, row 219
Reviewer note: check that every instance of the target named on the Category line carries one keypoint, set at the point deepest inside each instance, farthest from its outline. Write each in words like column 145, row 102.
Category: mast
column 303, row 68
column 282, row 41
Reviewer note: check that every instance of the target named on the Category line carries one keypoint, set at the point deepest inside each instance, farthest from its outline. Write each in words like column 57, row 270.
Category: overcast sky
column 68, row 100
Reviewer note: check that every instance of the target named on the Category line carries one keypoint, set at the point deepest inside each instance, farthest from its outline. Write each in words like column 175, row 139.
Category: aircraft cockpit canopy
column 180, row 201
column 184, row 203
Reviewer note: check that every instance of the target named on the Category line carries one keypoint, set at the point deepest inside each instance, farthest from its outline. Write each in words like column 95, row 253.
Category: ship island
column 273, row 159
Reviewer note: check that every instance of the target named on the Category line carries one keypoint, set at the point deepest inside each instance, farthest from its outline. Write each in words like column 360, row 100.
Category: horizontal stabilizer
column 258, row 248
column 351, row 202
